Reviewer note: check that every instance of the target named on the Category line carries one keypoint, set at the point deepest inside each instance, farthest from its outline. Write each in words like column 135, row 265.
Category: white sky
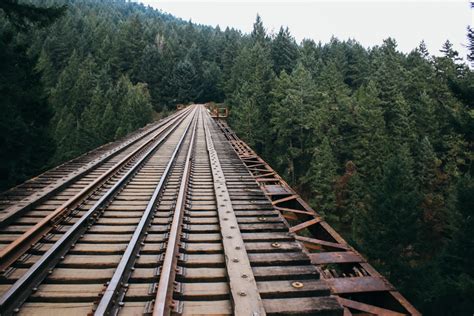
column 369, row 22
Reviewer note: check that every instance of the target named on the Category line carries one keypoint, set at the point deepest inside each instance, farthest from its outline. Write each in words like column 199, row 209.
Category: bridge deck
column 180, row 217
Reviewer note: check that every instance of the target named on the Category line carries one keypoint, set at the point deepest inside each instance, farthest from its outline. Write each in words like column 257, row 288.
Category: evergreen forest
column 380, row 142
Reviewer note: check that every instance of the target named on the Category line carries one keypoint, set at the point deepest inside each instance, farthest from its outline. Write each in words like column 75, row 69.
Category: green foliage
column 389, row 226
column 322, row 175
column 251, row 82
column 284, row 51
column 24, row 139
column 380, row 142
column 24, row 15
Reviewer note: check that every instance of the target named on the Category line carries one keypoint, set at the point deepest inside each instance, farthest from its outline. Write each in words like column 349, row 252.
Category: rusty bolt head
column 244, row 276
column 242, row 293
column 235, row 260
column 276, row 245
column 297, row 285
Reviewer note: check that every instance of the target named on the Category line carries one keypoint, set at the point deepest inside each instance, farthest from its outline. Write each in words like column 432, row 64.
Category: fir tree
column 322, row 177
column 389, row 227
column 470, row 44
column 258, row 34
column 284, row 52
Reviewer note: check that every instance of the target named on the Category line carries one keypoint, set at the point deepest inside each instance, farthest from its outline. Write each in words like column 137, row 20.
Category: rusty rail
column 16, row 248
column 22, row 288
column 8, row 214
column 109, row 302
column 168, row 270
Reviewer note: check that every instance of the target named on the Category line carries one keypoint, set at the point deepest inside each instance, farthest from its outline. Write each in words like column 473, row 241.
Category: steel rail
column 245, row 295
column 19, row 246
column 164, row 292
column 12, row 212
column 108, row 304
column 23, row 287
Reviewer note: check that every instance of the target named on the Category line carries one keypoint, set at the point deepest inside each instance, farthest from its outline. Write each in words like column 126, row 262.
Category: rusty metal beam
column 300, row 210
column 304, row 225
column 375, row 310
column 246, row 298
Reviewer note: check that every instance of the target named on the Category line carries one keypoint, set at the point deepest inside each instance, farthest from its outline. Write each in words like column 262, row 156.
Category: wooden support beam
column 335, row 257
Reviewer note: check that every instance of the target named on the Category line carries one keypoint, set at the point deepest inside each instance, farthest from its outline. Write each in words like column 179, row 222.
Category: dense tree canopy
column 380, row 142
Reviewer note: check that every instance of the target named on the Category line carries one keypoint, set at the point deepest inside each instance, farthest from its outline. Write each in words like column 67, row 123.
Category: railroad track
column 173, row 223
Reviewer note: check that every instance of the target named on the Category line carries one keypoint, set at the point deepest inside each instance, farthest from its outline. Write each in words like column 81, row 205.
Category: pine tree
column 131, row 45
column 369, row 142
column 24, row 15
column 356, row 72
column 252, row 79
column 310, row 57
column 185, row 82
column 470, row 45
column 436, row 204
column 322, row 177
column 25, row 142
column 292, row 98
column 134, row 106
column 423, row 50
column 258, row 34
column 152, row 71
column 388, row 228
column 70, row 97
column 457, row 283
column 284, row 52
column 248, row 115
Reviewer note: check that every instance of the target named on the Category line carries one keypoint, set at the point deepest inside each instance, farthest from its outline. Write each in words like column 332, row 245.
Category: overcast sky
column 369, row 22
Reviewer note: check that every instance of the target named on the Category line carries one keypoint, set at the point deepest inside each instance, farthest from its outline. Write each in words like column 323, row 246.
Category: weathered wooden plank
column 62, row 293
column 327, row 306
column 48, row 309
column 357, row 285
column 221, row 307
column 335, row 257
column 276, row 272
